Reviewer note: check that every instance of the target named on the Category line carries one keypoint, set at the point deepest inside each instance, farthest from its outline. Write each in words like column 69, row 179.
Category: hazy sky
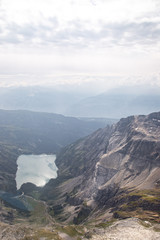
column 101, row 43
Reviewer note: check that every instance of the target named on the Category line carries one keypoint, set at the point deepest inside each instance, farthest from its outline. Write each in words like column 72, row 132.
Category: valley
column 26, row 132
column 107, row 184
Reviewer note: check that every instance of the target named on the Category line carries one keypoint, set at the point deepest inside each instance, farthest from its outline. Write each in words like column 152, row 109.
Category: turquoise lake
column 37, row 169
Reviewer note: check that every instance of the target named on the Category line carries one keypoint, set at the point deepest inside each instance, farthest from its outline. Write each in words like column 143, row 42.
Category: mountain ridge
column 111, row 103
column 104, row 169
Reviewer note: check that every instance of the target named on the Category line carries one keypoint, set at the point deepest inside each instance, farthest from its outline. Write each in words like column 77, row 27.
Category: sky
column 98, row 44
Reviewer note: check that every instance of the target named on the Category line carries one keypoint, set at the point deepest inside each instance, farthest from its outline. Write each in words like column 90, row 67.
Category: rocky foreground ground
column 128, row 229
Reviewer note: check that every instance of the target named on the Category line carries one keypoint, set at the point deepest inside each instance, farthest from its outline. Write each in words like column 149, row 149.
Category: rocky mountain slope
column 113, row 173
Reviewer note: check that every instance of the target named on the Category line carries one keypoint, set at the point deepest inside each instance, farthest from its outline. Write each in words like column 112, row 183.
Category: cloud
column 78, row 35
column 89, row 36
column 79, row 24
column 86, row 83
column 133, row 33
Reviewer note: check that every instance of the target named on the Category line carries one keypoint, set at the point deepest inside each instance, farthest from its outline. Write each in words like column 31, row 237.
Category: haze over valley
column 114, row 103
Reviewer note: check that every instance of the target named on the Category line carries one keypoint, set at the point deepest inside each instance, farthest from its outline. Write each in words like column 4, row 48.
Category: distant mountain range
column 118, row 103
column 37, row 99
column 115, row 103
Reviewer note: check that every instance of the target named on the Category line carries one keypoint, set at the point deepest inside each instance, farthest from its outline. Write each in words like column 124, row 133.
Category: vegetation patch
column 105, row 224
column 145, row 224
column 39, row 212
column 144, row 204
column 72, row 230
column 42, row 234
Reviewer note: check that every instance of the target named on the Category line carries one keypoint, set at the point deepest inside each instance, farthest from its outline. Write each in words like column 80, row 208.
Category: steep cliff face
column 102, row 169
column 133, row 154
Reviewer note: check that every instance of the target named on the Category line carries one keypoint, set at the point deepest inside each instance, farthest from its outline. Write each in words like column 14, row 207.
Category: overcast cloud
column 49, row 42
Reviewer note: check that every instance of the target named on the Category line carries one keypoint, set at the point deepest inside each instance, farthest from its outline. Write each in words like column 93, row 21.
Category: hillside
column 43, row 131
column 114, row 172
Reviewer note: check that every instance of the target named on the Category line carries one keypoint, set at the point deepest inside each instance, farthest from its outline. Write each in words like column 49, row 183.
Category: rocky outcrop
column 127, row 230
column 111, row 161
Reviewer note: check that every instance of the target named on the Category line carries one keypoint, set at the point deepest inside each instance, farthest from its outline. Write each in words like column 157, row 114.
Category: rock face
column 101, row 169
